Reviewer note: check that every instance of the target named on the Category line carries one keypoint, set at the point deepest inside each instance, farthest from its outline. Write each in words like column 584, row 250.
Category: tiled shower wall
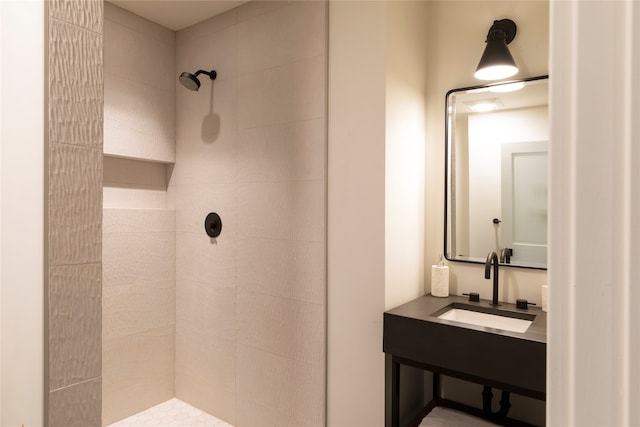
column 249, row 305
column 251, row 146
column 138, row 357
column 74, row 204
column 138, row 311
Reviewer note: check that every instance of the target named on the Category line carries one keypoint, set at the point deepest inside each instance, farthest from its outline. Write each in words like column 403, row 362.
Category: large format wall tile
column 291, row 391
column 142, row 221
column 195, row 110
column 138, row 258
column 134, row 198
column 296, row 31
column 208, row 149
column 138, row 372
column 132, row 309
column 114, row 14
column 285, row 152
column 139, row 120
column 205, row 261
column 207, row 27
column 138, row 57
column 75, row 85
column 282, row 210
column 206, row 295
column 211, row 51
column 75, row 204
column 282, row 94
column 254, row 9
column 74, row 324
column 78, row 405
column 206, row 373
column 295, row 270
column 138, row 310
column 292, row 329
column 206, row 312
column 194, row 202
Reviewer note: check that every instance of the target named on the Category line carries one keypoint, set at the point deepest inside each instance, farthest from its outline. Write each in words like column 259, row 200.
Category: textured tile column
column 74, row 208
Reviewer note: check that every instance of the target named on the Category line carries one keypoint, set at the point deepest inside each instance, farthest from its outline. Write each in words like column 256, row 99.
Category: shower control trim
column 213, row 225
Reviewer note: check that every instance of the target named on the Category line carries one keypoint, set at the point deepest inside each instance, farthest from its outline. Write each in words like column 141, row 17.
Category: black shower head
column 191, row 82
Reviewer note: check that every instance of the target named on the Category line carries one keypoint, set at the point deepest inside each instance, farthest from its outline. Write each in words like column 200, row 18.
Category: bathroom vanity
column 512, row 361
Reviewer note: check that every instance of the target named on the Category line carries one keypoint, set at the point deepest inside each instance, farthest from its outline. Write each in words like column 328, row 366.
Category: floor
column 445, row 417
column 172, row 413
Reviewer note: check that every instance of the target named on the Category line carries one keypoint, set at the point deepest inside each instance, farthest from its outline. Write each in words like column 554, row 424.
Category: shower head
column 191, row 82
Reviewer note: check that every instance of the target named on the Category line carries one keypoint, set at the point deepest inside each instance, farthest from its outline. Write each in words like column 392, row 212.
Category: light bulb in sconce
column 496, row 62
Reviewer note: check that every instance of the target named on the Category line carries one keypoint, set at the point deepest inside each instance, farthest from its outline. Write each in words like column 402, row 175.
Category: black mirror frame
column 446, row 166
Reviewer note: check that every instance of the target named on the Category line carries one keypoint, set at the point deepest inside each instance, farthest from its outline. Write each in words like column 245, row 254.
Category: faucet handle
column 473, row 296
column 505, row 255
column 523, row 303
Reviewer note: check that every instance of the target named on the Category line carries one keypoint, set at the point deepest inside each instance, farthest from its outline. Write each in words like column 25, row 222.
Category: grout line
column 77, row 383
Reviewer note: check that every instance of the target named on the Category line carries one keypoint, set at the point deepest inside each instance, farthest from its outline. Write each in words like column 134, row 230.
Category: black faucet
column 492, row 258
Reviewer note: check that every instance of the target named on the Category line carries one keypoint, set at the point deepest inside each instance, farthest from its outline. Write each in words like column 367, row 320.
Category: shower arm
column 211, row 74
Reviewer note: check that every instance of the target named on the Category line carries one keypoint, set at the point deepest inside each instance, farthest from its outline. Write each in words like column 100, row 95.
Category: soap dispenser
column 440, row 279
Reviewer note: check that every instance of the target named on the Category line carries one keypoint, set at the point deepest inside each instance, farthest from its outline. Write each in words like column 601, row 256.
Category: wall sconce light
column 496, row 62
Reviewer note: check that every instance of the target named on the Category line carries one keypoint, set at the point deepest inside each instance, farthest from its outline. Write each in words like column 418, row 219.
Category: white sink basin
column 485, row 319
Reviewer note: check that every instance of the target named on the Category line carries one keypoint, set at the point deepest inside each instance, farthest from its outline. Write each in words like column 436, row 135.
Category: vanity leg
column 436, row 385
column 395, row 393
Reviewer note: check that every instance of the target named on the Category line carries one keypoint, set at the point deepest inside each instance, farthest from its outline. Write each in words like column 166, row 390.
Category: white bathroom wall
column 594, row 346
column 22, row 51
column 456, row 34
column 356, row 221
column 376, row 192
column 405, row 127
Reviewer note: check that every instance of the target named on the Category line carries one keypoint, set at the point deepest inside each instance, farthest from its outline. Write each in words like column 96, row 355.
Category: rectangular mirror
column 497, row 139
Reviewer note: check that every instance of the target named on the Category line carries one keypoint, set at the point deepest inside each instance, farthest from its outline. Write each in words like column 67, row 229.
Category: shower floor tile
column 172, row 413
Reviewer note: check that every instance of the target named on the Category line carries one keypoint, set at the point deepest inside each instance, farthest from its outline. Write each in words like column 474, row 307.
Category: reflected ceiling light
column 497, row 62
column 484, row 105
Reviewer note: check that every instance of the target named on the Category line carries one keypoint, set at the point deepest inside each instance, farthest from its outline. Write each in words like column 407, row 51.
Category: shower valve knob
column 213, row 225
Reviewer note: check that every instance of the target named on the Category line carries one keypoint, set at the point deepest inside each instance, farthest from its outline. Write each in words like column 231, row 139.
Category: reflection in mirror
column 496, row 173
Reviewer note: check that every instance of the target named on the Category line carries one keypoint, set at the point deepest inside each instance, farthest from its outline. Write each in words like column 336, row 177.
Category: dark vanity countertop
column 507, row 360
column 422, row 309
